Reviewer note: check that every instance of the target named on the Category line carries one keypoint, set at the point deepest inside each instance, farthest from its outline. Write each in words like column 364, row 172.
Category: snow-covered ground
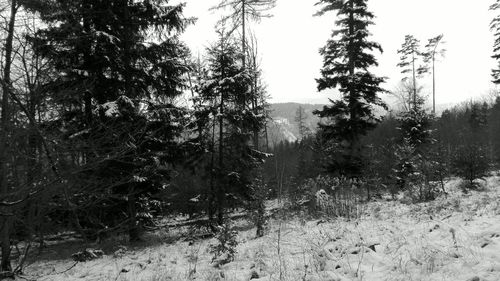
column 456, row 237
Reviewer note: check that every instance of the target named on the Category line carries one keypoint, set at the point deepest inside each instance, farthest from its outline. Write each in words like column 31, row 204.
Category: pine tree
column 409, row 62
column 433, row 52
column 495, row 27
column 121, row 65
column 347, row 58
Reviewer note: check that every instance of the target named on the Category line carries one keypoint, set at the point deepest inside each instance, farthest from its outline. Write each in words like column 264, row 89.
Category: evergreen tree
column 121, row 65
column 302, row 145
column 300, row 119
column 494, row 129
column 258, row 92
column 241, row 11
column 495, row 27
column 432, row 52
column 413, row 158
column 415, row 125
column 410, row 56
column 347, row 59
column 223, row 89
column 478, row 119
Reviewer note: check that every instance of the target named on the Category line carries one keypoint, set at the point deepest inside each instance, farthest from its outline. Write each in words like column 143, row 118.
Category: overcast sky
column 289, row 43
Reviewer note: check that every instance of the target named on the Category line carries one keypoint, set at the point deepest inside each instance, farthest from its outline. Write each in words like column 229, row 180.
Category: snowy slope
column 453, row 238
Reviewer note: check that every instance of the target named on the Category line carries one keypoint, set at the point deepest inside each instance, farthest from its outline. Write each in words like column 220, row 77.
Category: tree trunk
column 433, row 87
column 133, row 227
column 221, row 175
column 267, row 137
column 87, row 97
column 368, row 194
column 220, row 189
column 211, row 194
column 6, row 221
column 261, row 212
column 353, row 100
column 256, row 130
column 243, row 44
column 414, row 83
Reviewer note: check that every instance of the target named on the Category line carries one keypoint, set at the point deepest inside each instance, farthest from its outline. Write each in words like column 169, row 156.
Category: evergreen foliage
column 433, row 51
column 257, row 206
column 226, row 85
column 240, row 12
column 415, row 125
column 471, row 162
column 409, row 62
column 347, row 58
column 114, row 96
column 300, row 119
column 226, row 242
column 495, row 27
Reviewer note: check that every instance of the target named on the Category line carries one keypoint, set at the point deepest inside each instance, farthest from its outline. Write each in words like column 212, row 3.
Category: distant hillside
column 285, row 127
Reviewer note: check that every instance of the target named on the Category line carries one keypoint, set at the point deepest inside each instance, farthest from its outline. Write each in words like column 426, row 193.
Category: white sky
column 289, row 44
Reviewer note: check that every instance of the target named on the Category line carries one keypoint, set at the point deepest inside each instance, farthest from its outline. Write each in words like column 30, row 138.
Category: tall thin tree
column 495, row 27
column 300, row 119
column 347, row 59
column 433, row 51
column 6, row 221
column 241, row 11
column 409, row 62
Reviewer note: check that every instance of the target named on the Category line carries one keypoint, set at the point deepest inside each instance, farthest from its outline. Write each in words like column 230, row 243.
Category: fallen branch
column 198, row 221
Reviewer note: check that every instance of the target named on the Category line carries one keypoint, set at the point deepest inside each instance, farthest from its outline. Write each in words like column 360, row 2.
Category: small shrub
column 224, row 249
column 340, row 199
column 470, row 162
column 413, row 173
column 304, row 195
column 257, row 206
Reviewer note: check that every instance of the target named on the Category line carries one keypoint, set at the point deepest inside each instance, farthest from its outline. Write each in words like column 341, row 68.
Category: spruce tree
column 241, row 11
column 347, row 59
column 415, row 126
column 121, row 65
column 221, row 92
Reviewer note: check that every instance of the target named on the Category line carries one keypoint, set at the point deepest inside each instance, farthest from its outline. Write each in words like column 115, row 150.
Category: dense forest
column 97, row 140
